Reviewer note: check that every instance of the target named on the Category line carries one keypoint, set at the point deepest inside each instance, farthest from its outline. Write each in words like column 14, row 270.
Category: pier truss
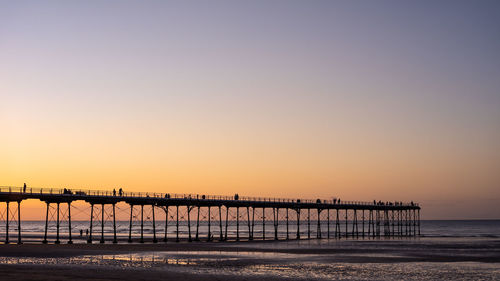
column 155, row 217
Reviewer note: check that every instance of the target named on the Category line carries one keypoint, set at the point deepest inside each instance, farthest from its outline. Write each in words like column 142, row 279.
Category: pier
column 288, row 218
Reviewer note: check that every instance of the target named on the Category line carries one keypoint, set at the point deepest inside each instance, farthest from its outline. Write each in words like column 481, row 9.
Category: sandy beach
column 269, row 260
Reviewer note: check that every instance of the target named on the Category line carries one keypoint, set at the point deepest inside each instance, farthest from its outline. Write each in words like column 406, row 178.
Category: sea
column 33, row 231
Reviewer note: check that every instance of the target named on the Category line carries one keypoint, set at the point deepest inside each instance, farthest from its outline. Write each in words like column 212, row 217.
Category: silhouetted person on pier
column 81, row 232
column 338, row 200
column 374, row 202
column 236, row 196
column 87, row 232
column 114, row 192
column 24, row 188
column 120, row 191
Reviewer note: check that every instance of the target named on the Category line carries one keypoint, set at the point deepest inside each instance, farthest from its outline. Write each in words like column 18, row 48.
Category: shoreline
column 379, row 259
column 345, row 250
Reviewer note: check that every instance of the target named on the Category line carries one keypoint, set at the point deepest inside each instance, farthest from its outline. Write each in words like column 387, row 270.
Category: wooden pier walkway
column 332, row 218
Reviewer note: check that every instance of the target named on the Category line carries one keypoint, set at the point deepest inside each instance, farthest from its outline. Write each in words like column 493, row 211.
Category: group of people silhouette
column 120, row 192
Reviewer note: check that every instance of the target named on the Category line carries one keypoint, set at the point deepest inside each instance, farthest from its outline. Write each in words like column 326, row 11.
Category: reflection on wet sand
column 276, row 265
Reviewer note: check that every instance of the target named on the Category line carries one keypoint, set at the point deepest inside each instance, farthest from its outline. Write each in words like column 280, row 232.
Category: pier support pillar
column 154, row 224
column 7, row 224
column 328, row 223
column 318, row 231
column 253, row 223
column 188, row 208
column 298, row 223
column 337, row 224
column 130, row 225
column 418, row 222
column 70, row 240
column 355, row 229
column 142, row 224
column 19, row 222
column 248, row 222
column 287, row 235
column 237, row 223
column 227, row 222
column 221, row 236
column 177, row 224
column 363, row 223
column 102, row 224
column 275, row 222
column 57, row 225
column 114, row 225
column 346, row 226
column 166, row 224
column 209, row 234
column 263, row 223
column 89, row 240
column 197, row 238
column 308, row 223
column 46, row 224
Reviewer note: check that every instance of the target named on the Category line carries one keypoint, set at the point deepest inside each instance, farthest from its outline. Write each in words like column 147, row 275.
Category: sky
column 358, row 100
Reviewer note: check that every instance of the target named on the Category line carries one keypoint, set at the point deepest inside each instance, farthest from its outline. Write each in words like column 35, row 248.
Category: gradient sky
column 362, row 100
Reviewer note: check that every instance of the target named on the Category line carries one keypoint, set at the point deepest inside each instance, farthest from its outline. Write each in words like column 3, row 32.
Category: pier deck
column 332, row 217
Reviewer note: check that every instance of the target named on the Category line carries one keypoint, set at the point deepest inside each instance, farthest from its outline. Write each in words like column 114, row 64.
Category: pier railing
column 186, row 196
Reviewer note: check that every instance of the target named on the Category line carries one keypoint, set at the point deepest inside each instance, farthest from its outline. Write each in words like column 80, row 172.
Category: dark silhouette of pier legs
column 114, row 225
column 287, row 235
column 154, row 224
column 209, row 234
column 221, row 236
column 142, row 224
column 397, row 219
column 130, row 225
column 337, row 225
column 248, row 221
column 189, row 223
column 57, row 226
column 418, row 222
column 166, row 224
column 275, row 222
column 253, row 222
column 308, row 223
column 46, row 225
column 363, row 223
column 89, row 240
column 298, row 223
column 237, row 223
column 318, row 231
column 328, row 223
column 70, row 240
column 227, row 222
column 177, row 224
column 406, row 223
column 102, row 224
column 19, row 222
column 197, row 238
column 355, row 230
column 399, row 223
column 263, row 223
column 7, row 224
column 346, row 223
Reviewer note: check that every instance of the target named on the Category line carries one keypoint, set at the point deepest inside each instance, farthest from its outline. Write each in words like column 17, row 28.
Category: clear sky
column 362, row 100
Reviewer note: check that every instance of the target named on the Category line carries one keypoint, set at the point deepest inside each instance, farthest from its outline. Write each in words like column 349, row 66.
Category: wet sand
column 269, row 260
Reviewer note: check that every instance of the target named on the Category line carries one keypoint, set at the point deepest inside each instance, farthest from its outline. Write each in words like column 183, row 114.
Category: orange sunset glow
column 289, row 106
